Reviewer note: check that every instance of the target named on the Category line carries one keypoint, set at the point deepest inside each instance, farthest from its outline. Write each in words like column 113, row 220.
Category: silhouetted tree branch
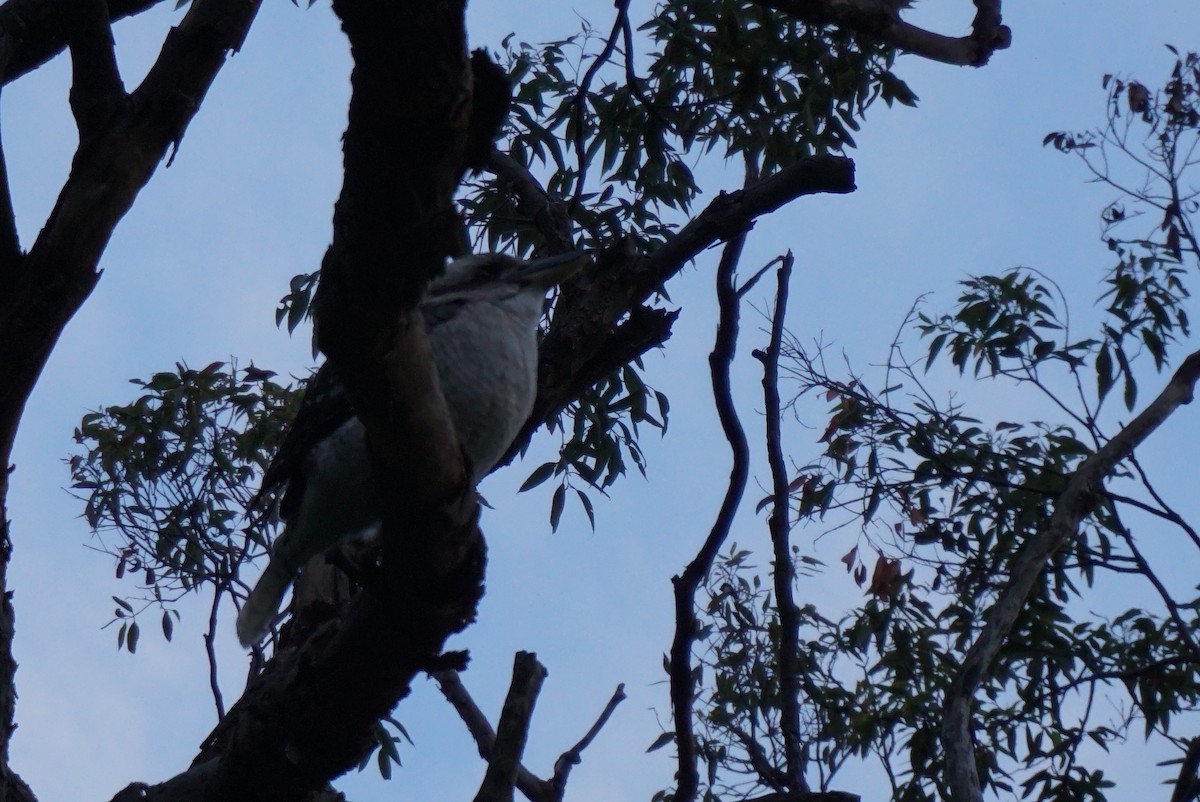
column 504, row 762
column 123, row 138
column 780, row 526
column 880, row 19
column 1072, row 505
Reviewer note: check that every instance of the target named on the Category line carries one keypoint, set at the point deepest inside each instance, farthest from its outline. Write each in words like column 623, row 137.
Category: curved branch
column 1072, row 505
column 687, row 583
column 41, row 291
column 579, row 102
column 587, row 339
column 573, row 756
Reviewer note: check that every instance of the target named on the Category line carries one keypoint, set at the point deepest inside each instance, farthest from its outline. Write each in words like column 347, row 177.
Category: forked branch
column 533, row 787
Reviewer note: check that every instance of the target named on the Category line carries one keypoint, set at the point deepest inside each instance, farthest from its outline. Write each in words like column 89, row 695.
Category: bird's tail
column 263, row 603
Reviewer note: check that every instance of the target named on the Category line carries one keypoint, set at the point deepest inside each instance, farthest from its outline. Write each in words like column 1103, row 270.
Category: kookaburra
column 482, row 319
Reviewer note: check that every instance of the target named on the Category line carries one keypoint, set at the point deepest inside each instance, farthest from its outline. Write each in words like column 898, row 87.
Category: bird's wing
column 323, row 410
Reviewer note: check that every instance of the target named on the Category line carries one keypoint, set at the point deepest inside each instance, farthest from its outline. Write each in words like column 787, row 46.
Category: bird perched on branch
column 482, row 319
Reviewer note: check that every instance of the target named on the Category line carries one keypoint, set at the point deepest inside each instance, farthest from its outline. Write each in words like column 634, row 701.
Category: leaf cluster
column 166, row 478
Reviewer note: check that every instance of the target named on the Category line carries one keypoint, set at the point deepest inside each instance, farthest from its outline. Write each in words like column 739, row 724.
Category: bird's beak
column 551, row 270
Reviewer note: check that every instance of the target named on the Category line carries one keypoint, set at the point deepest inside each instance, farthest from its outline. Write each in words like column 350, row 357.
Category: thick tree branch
column 36, row 36
column 1079, row 497
column 307, row 717
column 504, row 762
column 780, row 526
column 41, row 291
column 96, row 89
column 1187, row 783
column 580, row 346
column 108, row 171
column 10, row 244
column 491, row 96
column 881, row 20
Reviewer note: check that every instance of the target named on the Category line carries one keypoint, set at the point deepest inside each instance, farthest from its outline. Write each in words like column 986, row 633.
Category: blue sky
column 959, row 185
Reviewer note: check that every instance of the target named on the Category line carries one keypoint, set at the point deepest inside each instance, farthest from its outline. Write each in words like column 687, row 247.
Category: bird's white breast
column 487, row 366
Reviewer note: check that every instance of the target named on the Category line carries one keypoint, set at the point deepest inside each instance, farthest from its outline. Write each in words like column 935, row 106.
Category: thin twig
column 580, row 100
column 210, row 648
column 572, row 757
column 1164, row 510
column 1146, row 571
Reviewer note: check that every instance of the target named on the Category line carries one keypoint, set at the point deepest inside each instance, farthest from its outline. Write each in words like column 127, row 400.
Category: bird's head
column 495, row 270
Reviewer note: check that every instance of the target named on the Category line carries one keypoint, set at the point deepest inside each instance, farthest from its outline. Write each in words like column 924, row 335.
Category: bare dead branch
column 780, row 527
column 881, row 19
column 533, row 787
column 573, row 756
column 1079, row 497
column 513, row 730
column 808, row 796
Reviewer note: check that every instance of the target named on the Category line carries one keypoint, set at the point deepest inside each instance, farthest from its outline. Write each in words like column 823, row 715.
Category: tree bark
column 307, row 717
column 123, row 137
